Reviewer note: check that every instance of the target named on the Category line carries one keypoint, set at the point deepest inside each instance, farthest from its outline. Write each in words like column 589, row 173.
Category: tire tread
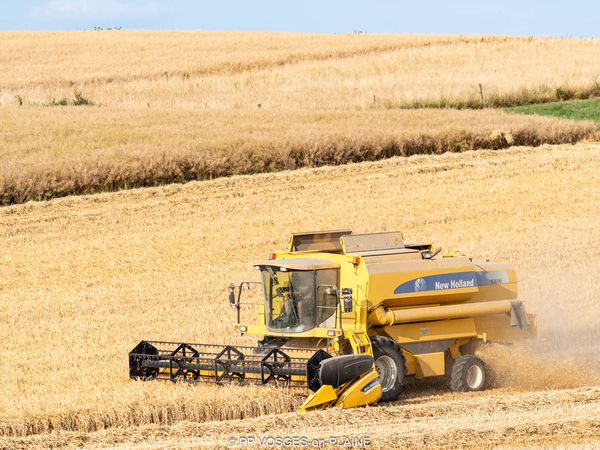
column 380, row 343
column 457, row 375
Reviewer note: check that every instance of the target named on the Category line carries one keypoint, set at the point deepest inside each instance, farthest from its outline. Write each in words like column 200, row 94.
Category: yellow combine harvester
column 353, row 317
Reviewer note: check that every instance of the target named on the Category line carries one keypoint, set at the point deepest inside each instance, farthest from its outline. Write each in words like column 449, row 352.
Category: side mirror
column 231, row 288
column 347, row 298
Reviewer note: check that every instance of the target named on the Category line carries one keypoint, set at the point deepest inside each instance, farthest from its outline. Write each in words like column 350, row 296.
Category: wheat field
column 507, row 419
column 83, row 279
column 239, row 70
column 93, row 111
column 120, row 150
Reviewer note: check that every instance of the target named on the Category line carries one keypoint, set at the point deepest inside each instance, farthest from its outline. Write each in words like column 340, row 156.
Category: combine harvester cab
column 353, row 317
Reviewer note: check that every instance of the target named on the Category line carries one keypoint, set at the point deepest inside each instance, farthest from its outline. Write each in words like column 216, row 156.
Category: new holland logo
column 420, row 285
column 370, row 385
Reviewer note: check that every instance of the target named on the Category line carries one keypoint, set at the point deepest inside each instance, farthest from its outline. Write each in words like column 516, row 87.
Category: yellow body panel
column 364, row 391
column 323, row 398
column 261, row 330
column 429, row 331
column 430, row 364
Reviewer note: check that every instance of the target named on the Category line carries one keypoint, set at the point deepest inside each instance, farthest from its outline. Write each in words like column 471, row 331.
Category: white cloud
column 94, row 9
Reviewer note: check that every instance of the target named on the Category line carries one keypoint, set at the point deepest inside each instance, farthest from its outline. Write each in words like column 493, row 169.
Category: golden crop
column 94, row 149
column 177, row 106
column 239, row 70
column 422, row 419
column 83, row 279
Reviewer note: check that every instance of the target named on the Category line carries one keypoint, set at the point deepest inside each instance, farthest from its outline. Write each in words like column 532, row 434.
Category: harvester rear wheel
column 390, row 363
column 468, row 374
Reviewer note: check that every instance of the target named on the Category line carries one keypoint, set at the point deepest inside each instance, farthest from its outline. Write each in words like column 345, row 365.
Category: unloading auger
column 353, row 317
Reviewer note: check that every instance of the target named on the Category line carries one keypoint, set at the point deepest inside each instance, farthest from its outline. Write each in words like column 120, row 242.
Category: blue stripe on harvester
column 456, row 280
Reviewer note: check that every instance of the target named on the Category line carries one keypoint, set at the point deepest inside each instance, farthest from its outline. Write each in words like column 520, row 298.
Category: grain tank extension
column 353, row 318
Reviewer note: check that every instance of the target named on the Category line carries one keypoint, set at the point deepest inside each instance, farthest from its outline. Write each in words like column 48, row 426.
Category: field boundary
column 22, row 184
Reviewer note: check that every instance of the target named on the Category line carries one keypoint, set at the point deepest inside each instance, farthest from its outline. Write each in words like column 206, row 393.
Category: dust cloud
column 566, row 352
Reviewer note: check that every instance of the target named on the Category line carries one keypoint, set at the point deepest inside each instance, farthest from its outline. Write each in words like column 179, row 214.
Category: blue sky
column 535, row 17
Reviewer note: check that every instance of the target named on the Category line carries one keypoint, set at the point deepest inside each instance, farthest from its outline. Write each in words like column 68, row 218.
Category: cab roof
column 299, row 263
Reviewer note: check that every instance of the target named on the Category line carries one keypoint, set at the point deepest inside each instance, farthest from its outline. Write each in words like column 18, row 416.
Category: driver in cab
column 297, row 306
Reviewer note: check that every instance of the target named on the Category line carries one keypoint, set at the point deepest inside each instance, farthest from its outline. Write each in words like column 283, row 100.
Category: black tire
column 388, row 354
column 468, row 374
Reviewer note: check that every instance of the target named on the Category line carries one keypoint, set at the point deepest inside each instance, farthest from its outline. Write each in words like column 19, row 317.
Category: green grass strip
column 577, row 109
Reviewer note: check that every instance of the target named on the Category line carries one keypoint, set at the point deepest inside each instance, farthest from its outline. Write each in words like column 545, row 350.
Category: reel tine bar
column 226, row 365
column 219, row 364
column 271, row 367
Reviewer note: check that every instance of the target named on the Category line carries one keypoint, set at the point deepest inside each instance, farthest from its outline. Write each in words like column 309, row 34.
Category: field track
column 556, row 418
column 98, row 273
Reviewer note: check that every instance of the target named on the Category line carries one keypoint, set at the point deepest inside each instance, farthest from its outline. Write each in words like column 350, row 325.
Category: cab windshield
column 298, row 300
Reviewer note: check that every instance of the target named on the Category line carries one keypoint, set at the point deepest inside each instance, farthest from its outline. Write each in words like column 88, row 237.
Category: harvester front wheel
column 468, row 374
column 389, row 361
